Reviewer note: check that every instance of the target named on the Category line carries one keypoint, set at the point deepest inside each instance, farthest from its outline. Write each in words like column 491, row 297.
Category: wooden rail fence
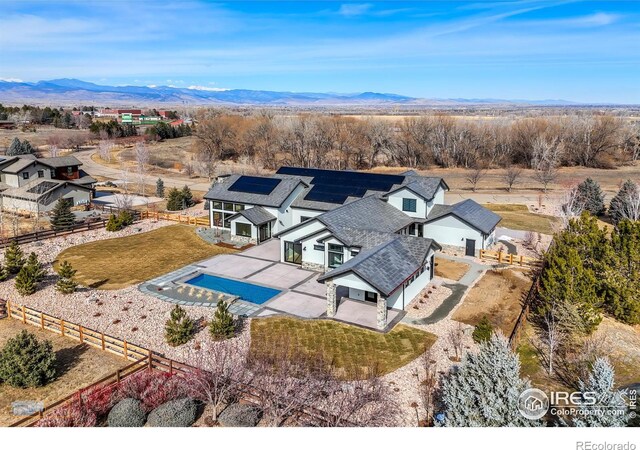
column 180, row 218
column 49, row 234
column 508, row 258
column 141, row 358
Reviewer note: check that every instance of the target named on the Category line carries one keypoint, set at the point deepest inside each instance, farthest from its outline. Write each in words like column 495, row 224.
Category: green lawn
column 352, row 350
column 518, row 217
column 121, row 262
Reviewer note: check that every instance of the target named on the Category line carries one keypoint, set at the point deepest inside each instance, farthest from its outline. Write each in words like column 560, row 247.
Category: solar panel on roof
column 255, row 185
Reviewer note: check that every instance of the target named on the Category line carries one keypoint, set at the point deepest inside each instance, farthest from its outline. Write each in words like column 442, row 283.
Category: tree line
column 339, row 142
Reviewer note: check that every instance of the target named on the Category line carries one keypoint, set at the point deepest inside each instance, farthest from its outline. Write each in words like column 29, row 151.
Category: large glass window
column 228, row 206
column 335, row 255
column 217, row 205
column 238, row 207
column 409, row 204
column 243, row 229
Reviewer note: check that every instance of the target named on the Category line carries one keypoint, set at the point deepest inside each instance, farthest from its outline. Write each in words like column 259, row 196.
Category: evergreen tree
column 62, row 218
column 113, row 224
column 14, row 258
column 160, row 188
column 179, row 328
column 591, row 197
column 35, row 267
column 485, row 389
column 622, row 205
column 483, row 330
column 187, row 197
column 25, row 282
column 622, row 273
column 27, row 362
column 65, row 283
column 14, row 148
column 610, row 409
column 174, row 200
column 222, row 326
column 4, row 273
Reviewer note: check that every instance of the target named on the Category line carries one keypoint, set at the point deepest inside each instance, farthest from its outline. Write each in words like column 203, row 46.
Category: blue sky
column 574, row 50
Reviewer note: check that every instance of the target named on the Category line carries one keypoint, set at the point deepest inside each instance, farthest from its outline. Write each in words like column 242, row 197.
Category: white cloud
column 354, row 9
column 11, row 80
column 207, row 88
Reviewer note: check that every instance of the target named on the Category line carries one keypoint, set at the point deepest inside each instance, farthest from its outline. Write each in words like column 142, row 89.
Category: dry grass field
column 78, row 366
column 121, row 262
column 452, row 270
column 497, row 295
column 518, row 217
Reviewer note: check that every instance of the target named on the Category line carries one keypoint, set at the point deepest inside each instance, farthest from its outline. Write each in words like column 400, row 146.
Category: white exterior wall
column 395, row 200
column 309, row 227
column 310, row 255
column 16, row 180
column 298, row 213
column 284, row 213
column 241, row 219
column 449, row 230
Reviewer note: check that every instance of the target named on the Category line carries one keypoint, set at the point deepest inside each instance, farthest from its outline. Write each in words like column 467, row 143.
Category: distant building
column 7, row 124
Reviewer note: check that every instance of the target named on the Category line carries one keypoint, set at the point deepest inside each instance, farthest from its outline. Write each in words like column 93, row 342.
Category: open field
column 452, row 270
column 497, row 295
column 40, row 137
column 350, row 349
column 78, row 366
column 121, row 262
column 518, row 217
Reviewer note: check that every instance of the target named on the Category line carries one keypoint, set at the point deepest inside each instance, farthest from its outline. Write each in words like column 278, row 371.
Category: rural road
column 174, row 180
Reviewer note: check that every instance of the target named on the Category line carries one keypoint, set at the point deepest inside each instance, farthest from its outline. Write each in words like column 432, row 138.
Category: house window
column 336, row 255
column 53, row 173
column 40, row 173
column 228, row 207
column 25, row 175
column 217, row 205
column 318, row 247
column 243, row 229
column 412, row 229
column 409, row 204
column 70, row 170
column 304, row 218
column 238, row 207
column 354, row 253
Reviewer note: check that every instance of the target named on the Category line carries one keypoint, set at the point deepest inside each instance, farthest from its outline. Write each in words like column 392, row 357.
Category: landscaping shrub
column 113, row 224
column 27, row 362
column 65, row 284
column 127, row 413
column 14, row 258
column 179, row 328
column 483, row 330
column 62, row 217
column 176, row 413
column 122, row 220
column 222, row 326
column 74, row 414
column 4, row 273
column 35, row 267
column 26, row 283
column 239, row 415
column 151, row 388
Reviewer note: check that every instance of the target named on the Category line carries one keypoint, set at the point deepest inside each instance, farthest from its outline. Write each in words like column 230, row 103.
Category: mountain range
column 68, row 91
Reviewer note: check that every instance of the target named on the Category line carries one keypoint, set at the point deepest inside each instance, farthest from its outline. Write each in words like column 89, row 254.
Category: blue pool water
column 246, row 291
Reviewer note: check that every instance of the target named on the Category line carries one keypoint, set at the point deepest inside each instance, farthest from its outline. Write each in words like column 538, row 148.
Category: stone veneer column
column 331, row 298
column 382, row 313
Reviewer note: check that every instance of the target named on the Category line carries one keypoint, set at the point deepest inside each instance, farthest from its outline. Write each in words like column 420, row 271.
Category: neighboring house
column 33, row 185
column 374, row 234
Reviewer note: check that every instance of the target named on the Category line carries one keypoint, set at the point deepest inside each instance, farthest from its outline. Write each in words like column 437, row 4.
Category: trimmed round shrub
column 27, row 362
column 127, row 413
column 239, row 415
column 176, row 413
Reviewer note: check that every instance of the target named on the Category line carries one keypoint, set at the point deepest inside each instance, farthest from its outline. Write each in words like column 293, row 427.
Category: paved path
column 458, row 289
column 170, row 180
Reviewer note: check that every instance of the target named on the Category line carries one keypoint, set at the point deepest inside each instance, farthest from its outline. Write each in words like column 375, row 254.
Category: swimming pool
column 246, row 291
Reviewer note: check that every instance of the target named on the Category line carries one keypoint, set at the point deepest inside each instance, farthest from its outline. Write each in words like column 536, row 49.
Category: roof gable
column 469, row 212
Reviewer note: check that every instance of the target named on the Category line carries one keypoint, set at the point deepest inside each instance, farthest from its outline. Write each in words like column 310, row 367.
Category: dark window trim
column 409, row 204
column 246, row 226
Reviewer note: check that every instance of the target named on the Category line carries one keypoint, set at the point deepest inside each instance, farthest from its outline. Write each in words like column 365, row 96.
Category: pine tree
column 25, row 281
column 4, row 273
column 483, row 330
column 113, row 224
column 610, row 409
column 65, row 283
column 174, row 200
column 179, row 328
column 222, row 326
column 591, row 197
column 35, row 267
column 14, row 148
column 485, row 389
column 622, row 204
column 160, row 188
column 187, row 197
column 27, row 362
column 62, row 218
column 14, row 258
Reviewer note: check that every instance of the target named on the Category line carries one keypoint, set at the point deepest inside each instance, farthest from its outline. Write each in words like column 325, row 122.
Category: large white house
column 374, row 234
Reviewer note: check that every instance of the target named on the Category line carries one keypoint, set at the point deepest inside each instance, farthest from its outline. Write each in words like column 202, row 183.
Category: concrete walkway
column 458, row 289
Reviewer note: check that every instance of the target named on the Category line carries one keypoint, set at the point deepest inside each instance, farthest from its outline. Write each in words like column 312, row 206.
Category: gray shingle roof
column 61, row 161
column 18, row 165
column 425, row 187
column 256, row 215
column 388, row 265
column 220, row 191
column 470, row 212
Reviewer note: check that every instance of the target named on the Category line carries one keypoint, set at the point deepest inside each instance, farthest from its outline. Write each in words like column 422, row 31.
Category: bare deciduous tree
column 104, row 150
column 511, row 176
column 455, row 337
column 142, row 159
column 474, row 176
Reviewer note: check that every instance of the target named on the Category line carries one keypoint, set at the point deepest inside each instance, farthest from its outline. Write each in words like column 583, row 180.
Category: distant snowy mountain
column 68, row 91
